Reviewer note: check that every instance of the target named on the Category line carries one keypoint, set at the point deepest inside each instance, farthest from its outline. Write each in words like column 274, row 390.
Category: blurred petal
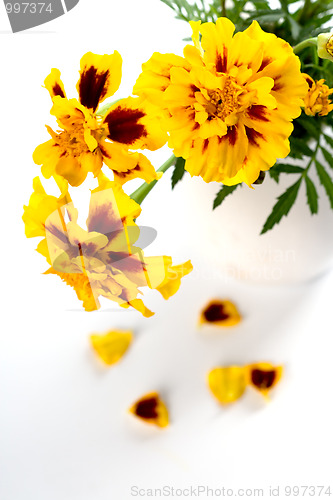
column 220, row 313
column 151, row 409
column 227, row 383
column 165, row 277
column 263, row 376
column 111, row 346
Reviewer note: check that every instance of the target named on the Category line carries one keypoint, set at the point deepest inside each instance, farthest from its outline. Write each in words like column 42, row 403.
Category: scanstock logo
column 25, row 15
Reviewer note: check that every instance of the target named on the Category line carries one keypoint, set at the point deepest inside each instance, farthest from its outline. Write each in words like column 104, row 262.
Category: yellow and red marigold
column 103, row 260
column 228, row 104
column 86, row 139
column 317, row 99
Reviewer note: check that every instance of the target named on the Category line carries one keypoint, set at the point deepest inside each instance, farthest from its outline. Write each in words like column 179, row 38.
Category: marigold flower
column 151, row 409
column 111, row 346
column 220, row 313
column 325, row 46
column 263, row 376
column 86, row 139
column 230, row 100
column 317, row 99
column 102, row 260
column 227, row 383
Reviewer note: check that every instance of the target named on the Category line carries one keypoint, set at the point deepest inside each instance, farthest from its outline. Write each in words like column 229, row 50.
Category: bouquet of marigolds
column 249, row 96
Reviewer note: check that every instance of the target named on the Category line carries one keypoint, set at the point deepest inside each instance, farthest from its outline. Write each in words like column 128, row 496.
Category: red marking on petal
column 55, row 231
column 104, row 152
column 309, row 81
column 265, row 62
column 128, row 172
column 277, row 85
column 258, row 112
column 232, row 135
column 221, row 61
column 253, row 136
column 104, row 219
column 147, row 408
column 263, row 379
column 123, row 125
column 205, row 145
column 92, row 87
column 57, row 90
column 215, row 312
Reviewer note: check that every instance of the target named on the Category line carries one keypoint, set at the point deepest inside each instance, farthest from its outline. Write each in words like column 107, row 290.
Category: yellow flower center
column 223, row 102
column 329, row 46
column 73, row 142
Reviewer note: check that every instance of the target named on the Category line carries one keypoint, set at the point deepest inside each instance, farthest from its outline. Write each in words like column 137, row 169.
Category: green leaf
column 223, row 193
column 282, row 207
column 178, row 172
column 328, row 157
column 294, row 26
column 310, row 126
column 299, row 146
column 274, row 175
column 329, row 140
column 326, row 181
column 312, row 195
column 287, row 168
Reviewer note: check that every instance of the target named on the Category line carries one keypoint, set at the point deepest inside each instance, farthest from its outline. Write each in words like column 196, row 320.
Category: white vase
column 298, row 249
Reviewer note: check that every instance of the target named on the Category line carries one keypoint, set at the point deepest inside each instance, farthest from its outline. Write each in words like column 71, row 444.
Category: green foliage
column 282, row 207
column 312, row 195
column 326, row 181
column 223, row 193
column 178, row 172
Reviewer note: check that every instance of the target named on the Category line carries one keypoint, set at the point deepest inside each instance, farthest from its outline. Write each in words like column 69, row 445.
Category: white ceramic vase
column 298, row 249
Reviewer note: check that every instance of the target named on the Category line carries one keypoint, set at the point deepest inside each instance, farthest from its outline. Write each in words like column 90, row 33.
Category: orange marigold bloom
column 317, row 99
column 229, row 102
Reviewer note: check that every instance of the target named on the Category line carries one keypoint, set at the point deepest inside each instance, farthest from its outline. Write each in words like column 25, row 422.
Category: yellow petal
column 72, row 169
column 100, row 77
column 139, row 306
column 173, row 275
column 136, row 123
column 220, row 313
column 227, row 383
column 40, row 207
column 111, row 346
column 151, row 409
column 54, row 84
column 155, row 76
column 263, row 376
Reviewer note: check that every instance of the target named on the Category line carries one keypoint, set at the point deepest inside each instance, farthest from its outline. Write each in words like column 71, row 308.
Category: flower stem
column 223, row 9
column 140, row 194
column 303, row 45
column 104, row 109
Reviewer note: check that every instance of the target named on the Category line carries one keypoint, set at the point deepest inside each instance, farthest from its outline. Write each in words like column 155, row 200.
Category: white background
column 64, row 429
